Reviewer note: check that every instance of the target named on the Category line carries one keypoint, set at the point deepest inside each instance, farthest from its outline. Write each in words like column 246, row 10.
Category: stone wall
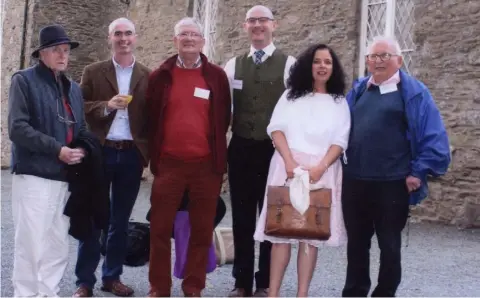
column 12, row 34
column 447, row 60
column 300, row 24
column 154, row 21
column 85, row 21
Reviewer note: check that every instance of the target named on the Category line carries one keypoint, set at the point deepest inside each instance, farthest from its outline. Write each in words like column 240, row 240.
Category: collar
column 268, row 50
column 197, row 63
column 46, row 72
column 61, row 81
column 395, row 79
column 115, row 63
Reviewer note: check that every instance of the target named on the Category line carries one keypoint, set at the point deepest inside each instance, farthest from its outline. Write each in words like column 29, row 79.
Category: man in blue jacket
column 45, row 114
column 397, row 139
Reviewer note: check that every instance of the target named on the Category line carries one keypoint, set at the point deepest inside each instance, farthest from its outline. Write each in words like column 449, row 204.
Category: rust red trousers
column 204, row 186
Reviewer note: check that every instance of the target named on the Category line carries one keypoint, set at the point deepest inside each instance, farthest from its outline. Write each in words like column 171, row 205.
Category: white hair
column 268, row 13
column 390, row 41
column 121, row 21
column 187, row 21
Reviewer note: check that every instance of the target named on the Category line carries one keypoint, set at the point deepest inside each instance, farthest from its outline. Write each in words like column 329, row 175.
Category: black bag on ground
column 138, row 244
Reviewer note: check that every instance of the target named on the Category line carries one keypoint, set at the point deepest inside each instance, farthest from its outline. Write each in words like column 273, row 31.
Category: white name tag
column 237, row 84
column 201, row 93
column 387, row 88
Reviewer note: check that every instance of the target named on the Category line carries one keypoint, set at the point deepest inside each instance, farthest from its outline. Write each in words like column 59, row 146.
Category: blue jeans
column 124, row 171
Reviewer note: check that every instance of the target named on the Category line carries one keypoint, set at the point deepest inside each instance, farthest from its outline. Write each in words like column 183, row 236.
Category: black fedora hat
column 51, row 36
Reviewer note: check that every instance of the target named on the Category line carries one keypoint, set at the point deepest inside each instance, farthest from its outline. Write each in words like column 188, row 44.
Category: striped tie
column 258, row 56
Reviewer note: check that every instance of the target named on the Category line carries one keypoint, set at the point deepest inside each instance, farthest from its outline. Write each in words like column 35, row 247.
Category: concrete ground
column 439, row 261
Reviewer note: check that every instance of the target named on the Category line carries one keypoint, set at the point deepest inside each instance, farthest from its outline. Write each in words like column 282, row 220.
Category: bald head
column 259, row 10
column 259, row 25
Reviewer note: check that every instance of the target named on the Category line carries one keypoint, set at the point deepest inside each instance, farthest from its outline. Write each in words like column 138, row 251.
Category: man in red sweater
column 189, row 113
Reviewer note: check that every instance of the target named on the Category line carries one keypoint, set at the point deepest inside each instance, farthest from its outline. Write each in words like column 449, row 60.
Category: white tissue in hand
column 300, row 190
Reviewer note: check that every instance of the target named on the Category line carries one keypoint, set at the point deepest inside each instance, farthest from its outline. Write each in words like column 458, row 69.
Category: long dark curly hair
column 300, row 81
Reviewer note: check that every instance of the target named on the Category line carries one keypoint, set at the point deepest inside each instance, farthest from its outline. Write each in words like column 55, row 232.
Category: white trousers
column 41, row 235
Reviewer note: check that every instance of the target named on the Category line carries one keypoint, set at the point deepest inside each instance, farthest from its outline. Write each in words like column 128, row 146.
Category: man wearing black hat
column 45, row 114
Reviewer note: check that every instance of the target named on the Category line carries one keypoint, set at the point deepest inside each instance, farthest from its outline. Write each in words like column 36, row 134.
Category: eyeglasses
column 63, row 119
column 193, row 35
column 383, row 57
column 262, row 20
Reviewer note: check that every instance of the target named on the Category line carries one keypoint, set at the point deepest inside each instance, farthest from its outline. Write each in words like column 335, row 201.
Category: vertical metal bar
column 206, row 27
column 363, row 38
column 390, row 19
column 24, row 36
column 195, row 13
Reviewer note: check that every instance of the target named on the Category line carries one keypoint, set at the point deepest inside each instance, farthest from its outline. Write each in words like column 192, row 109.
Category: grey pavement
column 439, row 261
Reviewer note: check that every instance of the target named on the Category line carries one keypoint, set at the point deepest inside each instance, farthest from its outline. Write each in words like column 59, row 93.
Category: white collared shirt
column 230, row 65
column 120, row 128
column 197, row 63
column 395, row 79
column 268, row 51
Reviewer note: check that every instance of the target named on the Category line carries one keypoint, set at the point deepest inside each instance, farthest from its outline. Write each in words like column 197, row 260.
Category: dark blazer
column 89, row 203
column 158, row 92
column 99, row 85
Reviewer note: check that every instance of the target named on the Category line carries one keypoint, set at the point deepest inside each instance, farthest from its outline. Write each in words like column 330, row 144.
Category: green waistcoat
column 263, row 85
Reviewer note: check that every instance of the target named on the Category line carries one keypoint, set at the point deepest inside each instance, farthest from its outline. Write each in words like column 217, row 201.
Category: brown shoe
column 117, row 288
column 238, row 292
column 261, row 292
column 83, row 291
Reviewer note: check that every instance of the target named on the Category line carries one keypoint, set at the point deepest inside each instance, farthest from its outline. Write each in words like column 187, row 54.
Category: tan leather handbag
column 283, row 220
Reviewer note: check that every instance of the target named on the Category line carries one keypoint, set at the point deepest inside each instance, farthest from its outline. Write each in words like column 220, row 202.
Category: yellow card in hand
column 129, row 98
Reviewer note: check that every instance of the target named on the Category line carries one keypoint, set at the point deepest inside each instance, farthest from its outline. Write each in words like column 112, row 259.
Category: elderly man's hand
column 71, row 156
column 413, row 183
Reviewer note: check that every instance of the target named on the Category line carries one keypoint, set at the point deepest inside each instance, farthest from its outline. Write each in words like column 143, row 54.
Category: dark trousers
column 369, row 207
column 168, row 187
column 124, row 171
column 248, row 161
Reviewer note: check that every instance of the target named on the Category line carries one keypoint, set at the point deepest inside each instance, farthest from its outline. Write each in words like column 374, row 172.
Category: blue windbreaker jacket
column 427, row 134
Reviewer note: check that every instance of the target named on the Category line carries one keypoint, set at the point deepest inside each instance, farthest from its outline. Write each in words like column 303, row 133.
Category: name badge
column 201, row 93
column 387, row 88
column 237, row 84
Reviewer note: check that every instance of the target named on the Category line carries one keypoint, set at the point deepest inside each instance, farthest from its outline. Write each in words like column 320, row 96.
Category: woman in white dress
column 310, row 128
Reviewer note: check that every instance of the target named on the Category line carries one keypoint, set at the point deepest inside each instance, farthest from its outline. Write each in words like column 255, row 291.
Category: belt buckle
column 119, row 145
